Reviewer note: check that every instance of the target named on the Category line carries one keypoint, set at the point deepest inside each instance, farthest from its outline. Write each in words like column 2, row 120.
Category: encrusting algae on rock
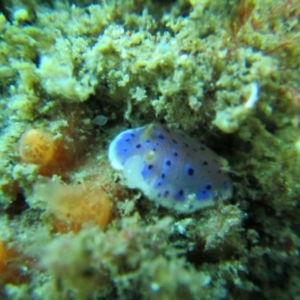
column 74, row 76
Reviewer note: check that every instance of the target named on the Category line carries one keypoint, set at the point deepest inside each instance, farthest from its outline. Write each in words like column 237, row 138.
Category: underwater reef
column 75, row 74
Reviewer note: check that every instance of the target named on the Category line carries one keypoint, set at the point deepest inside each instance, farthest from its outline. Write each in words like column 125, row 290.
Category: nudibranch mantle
column 170, row 168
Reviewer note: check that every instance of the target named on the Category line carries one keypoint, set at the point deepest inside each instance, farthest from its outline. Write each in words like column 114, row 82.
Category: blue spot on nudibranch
column 175, row 153
column 189, row 170
column 205, row 192
column 166, row 193
column 167, row 164
column 179, row 196
column 160, row 136
column 161, row 181
column 203, row 195
column 158, row 184
column 146, row 172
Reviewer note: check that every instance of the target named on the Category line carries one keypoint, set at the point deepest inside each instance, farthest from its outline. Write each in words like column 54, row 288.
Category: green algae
column 176, row 62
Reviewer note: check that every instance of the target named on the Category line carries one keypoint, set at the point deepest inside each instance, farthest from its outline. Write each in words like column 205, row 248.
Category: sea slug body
column 171, row 168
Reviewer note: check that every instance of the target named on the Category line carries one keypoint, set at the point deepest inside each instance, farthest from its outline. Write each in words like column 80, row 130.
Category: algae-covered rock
column 224, row 72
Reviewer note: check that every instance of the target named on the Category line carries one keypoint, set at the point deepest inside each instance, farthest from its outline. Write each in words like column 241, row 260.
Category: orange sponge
column 36, row 147
column 39, row 147
column 72, row 206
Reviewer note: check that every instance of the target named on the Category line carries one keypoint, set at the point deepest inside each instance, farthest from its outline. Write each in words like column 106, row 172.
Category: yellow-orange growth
column 36, row 147
column 72, row 206
column 39, row 147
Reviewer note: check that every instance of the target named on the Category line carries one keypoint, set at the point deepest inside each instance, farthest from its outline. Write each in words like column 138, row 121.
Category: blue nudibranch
column 171, row 168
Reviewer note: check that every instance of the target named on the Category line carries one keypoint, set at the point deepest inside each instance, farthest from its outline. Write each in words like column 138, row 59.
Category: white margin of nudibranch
column 112, row 156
